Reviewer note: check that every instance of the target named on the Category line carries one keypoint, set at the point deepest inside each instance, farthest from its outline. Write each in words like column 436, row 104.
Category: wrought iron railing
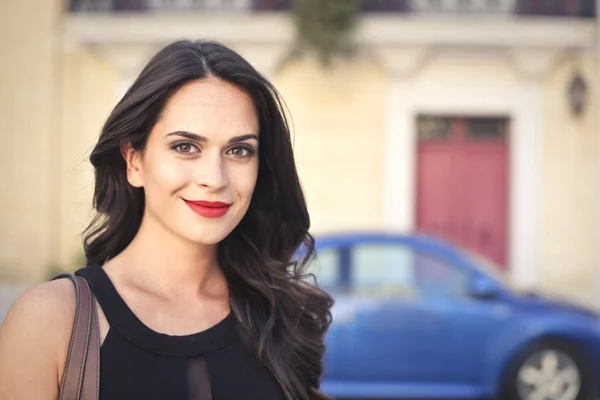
column 562, row 8
column 504, row 7
column 177, row 5
column 557, row 8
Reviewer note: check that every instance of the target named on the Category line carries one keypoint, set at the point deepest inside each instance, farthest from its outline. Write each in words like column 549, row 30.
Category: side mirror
column 482, row 288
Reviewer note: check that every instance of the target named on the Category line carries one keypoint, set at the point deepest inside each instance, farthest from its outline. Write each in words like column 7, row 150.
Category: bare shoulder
column 48, row 302
column 34, row 340
column 42, row 317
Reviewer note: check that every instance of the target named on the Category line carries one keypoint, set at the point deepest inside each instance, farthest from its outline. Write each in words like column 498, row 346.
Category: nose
column 210, row 172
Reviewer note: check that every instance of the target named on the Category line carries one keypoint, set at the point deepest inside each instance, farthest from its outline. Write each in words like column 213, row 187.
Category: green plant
column 326, row 26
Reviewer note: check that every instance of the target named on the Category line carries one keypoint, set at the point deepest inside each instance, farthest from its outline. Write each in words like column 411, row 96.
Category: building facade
column 473, row 120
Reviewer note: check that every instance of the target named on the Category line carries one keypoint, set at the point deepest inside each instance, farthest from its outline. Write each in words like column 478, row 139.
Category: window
column 431, row 127
column 397, row 270
column 435, row 277
column 326, row 267
column 381, row 269
column 487, row 128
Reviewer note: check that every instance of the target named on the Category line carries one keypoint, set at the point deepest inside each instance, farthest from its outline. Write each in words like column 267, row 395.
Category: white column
column 526, row 158
column 402, row 62
column 524, row 200
column 399, row 158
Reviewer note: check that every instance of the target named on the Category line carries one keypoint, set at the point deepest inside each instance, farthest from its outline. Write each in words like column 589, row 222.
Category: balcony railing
column 177, row 5
column 559, row 8
column 556, row 8
column 462, row 7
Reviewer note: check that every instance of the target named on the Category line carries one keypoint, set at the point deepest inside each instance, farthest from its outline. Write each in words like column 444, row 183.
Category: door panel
column 439, row 191
column 398, row 332
column 462, row 186
column 484, row 212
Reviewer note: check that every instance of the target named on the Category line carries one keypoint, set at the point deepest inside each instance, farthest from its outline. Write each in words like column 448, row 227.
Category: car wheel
column 549, row 370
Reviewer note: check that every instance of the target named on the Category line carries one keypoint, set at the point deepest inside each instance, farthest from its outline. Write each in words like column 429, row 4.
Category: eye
column 185, row 148
column 240, row 151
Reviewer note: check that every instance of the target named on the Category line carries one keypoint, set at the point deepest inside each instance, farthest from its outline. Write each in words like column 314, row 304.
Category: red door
column 462, row 183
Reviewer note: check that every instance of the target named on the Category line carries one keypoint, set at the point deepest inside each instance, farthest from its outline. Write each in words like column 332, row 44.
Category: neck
column 169, row 266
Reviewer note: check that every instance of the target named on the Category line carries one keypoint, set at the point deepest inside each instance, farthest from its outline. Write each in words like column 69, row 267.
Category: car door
column 478, row 323
column 443, row 287
column 393, row 333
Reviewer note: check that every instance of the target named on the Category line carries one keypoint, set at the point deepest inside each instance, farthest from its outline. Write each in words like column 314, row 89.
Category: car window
column 436, row 277
column 398, row 270
column 326, row 267
column 380, row 269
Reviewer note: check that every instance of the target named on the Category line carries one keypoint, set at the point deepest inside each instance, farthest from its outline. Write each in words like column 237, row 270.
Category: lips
column 208, row 209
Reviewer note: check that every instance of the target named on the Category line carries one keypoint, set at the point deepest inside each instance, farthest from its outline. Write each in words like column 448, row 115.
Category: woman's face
column 200, row 164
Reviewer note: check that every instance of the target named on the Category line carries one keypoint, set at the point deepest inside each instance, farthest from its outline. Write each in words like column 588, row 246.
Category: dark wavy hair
column 282, row 315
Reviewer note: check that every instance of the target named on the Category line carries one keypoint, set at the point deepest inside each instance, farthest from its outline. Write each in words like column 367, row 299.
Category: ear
column 133, row 161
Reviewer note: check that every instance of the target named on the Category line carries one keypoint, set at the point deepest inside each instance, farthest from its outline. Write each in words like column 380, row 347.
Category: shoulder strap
column 81, row 378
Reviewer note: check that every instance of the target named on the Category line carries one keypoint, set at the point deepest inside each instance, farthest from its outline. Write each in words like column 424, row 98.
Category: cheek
column 243, row 179
column 170, row 175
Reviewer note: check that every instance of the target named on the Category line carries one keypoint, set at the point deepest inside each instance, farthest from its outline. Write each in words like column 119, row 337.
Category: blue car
column 418, row 318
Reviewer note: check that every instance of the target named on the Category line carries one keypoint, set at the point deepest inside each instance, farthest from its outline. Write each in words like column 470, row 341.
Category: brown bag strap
column 81, row 378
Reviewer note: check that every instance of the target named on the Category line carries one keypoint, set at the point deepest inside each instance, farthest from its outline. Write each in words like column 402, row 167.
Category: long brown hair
column 280, row 313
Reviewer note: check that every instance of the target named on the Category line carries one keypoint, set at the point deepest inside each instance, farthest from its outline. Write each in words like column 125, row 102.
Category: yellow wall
column 569, row 201
column 338, row 117
column 88, row 96
column 28, row 145
column 52, row 105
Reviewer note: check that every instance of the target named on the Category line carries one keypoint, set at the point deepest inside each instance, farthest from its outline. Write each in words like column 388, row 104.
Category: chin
column 207, row 236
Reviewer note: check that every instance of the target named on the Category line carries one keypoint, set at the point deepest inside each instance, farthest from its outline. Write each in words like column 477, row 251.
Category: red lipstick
column 208, row 209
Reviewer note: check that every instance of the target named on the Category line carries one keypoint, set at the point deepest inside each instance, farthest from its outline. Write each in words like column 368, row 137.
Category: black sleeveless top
column 138, row 363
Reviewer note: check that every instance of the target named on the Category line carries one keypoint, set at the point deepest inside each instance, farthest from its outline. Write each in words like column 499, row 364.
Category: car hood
column 536, row 302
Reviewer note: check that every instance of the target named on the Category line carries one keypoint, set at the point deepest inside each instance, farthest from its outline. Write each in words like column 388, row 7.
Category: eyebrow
column 203, row 139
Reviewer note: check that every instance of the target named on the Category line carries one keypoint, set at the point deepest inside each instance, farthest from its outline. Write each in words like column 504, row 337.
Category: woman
column 200, row 215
